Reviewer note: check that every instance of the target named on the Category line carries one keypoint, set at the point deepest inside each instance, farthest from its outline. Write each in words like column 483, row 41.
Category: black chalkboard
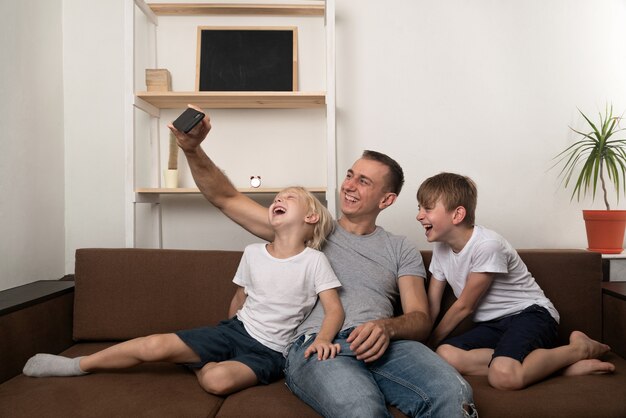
column 246, row 59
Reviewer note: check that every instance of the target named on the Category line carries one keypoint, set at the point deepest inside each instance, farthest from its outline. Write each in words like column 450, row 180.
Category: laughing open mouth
column 349, row 198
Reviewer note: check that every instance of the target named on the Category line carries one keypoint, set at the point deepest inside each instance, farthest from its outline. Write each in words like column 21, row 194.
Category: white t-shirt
column 513, row 288
column 280, row 292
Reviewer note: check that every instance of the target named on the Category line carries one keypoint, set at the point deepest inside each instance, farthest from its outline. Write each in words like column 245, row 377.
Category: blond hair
column 324, row 226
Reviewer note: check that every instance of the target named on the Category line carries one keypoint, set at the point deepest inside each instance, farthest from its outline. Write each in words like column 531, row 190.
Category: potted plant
column 598, row 154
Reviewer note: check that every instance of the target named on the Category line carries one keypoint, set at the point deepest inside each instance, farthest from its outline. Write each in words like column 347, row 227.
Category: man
column 381, row 360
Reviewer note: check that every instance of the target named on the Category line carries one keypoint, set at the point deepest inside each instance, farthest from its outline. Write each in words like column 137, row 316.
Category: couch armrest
column 34, row 318
column 614, row 316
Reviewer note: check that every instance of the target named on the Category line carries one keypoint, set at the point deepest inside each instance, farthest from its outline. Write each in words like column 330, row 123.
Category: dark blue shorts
column 513, row 336
column 229, row 340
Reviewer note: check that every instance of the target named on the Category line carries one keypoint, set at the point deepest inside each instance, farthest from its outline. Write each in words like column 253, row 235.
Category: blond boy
column 279, row 283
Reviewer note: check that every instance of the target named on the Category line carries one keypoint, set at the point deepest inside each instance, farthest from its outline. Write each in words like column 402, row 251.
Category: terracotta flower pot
column 605, row 230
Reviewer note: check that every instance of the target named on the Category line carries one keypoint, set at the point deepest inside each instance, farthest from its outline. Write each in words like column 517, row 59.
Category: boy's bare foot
column 589, row 366
column 591, row 348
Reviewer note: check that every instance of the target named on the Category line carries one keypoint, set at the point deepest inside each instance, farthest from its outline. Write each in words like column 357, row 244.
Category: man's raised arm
column 216, row 187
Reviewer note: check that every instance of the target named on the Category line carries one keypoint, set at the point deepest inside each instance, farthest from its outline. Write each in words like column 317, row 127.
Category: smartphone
column 187, row 120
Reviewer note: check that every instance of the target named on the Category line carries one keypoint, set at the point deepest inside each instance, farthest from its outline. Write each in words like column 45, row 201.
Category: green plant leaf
column 595, row 154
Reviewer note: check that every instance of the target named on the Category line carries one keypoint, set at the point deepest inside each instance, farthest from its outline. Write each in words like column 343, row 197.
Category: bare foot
column 589, row 366
column 591, row 348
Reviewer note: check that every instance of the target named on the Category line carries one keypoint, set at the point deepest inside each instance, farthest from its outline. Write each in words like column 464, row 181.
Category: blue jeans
column 409, row 376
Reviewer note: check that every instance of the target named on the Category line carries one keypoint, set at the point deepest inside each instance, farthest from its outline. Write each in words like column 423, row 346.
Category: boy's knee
column 505, row 376
column 450, row 354
column 214, row 380
column 153, row 347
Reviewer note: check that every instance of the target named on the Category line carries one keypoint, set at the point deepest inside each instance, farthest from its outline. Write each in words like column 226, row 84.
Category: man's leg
column 339, row 387
column 420, row 383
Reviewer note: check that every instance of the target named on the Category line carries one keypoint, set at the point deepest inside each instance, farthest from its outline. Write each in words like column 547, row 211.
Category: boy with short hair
column 279, row 283
column 514, row 340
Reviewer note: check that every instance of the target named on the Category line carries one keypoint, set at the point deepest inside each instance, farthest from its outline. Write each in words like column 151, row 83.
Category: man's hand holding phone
column 190, row 128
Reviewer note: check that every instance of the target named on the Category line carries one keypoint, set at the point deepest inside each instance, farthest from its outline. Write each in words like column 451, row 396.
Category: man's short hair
column 453, row 190
column 395, row 179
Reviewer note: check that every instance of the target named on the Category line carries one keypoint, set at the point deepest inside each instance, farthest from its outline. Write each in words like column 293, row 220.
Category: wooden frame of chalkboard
column 247, row 58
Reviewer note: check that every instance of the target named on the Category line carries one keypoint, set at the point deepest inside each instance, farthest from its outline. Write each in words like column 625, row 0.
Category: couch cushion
column 127, row 293
column 149, row 390
column 572, row 280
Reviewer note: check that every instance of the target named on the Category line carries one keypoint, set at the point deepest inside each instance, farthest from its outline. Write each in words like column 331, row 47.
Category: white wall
column 485, row 87
column 93, row 54
column 32, row 233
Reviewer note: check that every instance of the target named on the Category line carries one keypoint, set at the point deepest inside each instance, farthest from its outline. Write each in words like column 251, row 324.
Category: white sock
column 43, row 365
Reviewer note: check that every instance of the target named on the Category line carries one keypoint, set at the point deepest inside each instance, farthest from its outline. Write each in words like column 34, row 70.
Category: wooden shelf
column 153, row 102
column 182, row 9
column 179, row 191
column 234, row 99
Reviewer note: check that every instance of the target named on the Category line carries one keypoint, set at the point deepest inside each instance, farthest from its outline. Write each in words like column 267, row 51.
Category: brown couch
column 124, row 293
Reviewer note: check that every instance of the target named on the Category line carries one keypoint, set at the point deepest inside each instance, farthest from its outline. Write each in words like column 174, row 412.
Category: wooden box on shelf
column 158, row 80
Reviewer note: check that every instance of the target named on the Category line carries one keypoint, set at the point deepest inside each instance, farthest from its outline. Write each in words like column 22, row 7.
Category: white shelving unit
column 153, row 102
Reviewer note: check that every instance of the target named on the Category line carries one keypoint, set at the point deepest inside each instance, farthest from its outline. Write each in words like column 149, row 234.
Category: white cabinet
column 296, row 128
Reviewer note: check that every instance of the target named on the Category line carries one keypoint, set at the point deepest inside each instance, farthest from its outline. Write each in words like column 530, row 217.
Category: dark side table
column 614, row 316
column 25, row 310
column 614, row 267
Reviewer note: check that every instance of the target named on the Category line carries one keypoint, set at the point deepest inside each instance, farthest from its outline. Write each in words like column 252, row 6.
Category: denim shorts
column 229, row 340
column 513, row 336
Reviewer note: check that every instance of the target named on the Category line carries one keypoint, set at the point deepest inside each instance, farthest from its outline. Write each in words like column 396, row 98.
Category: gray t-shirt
column 368, row 267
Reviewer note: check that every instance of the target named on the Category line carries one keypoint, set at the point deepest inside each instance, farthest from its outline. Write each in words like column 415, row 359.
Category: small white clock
column 255, row 181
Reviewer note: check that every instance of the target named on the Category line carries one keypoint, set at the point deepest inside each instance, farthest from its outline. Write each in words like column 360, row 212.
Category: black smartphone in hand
column 188, row 120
